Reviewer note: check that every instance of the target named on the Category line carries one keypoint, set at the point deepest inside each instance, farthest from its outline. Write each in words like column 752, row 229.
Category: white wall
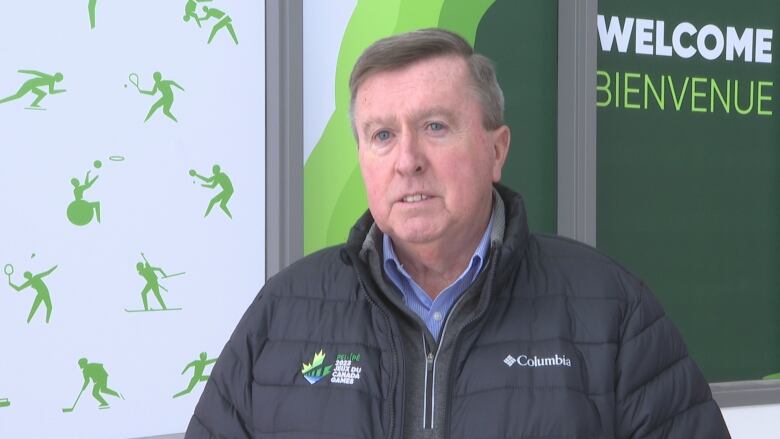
column 149, row 204
column 753, row 422
column 324, row 23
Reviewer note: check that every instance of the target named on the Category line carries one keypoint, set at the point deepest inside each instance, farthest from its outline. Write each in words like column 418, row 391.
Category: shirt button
column 437, row 316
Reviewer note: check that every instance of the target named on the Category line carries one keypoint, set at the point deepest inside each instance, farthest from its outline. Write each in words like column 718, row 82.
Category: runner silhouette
column 33, row 86
column 42, row 291
column 198, row 366
column 164, row 86
column 219, row 178
column 223, row 21
column 97, row 373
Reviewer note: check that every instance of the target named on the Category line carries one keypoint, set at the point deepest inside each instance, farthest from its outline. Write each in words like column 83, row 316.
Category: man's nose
column 411, row 158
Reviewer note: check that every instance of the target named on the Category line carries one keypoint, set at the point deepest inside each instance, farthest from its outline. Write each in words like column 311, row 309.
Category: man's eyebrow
column 437, row 110
column 422, row 114
column 382, row 121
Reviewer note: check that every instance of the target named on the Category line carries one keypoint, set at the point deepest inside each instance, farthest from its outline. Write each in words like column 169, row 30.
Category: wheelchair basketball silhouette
column 80, row 212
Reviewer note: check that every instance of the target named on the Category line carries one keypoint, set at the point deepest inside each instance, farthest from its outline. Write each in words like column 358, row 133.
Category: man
column 442, row 316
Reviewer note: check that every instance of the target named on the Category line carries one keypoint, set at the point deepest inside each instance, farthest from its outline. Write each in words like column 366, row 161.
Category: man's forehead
column 439, row 68
column 424, row 88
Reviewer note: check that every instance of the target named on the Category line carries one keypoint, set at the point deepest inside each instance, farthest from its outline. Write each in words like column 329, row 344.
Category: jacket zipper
column 429, row 404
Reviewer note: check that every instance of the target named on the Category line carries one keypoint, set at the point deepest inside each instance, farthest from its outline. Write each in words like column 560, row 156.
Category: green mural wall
column 522, row 38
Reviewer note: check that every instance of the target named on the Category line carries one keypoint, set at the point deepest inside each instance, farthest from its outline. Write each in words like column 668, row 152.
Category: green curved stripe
column 463, row 17
column 333, row 160
column 334, row 195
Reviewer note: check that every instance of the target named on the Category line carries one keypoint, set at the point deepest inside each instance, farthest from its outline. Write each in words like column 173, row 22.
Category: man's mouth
column 415, row 198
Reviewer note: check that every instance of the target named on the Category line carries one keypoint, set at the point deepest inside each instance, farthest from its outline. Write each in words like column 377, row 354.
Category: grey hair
column 399, row 51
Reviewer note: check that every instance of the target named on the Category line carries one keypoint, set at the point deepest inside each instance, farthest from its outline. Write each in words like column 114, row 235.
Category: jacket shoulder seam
column 242, row 422
column 640, row 386
column 642, row 331
column 673, row 417
column 202, row 425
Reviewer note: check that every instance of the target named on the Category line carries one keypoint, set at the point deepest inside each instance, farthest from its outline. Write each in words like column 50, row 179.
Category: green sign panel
column 689, row 170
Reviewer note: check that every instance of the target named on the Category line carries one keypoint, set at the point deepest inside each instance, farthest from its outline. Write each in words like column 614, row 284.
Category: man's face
column 427, row 161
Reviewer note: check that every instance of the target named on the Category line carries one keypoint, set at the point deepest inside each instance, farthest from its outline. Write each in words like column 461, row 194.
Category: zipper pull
column 430, row 359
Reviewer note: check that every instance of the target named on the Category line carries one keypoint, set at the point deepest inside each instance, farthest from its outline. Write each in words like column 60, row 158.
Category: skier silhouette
column 33, row 86
column 224, row 20
column 97, row 373
column 164, row 86
column 152, row 284
column 198, row 366
column 42, row 291
column 219, row 178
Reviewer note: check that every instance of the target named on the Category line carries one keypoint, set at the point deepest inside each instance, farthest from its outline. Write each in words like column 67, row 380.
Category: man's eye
column 382, row 136
column 436, row 126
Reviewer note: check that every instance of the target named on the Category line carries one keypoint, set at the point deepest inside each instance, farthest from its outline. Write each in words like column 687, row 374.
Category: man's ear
column 501, row 137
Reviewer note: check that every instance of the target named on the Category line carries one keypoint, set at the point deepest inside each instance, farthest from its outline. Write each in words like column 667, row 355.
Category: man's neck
column 436, row 265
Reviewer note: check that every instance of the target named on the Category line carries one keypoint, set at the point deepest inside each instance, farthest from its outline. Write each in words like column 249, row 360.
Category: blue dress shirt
column 434, row 312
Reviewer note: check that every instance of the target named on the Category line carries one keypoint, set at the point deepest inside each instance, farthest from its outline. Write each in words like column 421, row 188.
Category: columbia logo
column 510, row 360
column 526, row 361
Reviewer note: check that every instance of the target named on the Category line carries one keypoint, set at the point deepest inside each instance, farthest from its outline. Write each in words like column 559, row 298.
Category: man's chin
column 415, row 236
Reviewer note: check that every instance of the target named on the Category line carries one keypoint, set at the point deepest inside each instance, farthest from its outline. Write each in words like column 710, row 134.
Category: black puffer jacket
column 565, row 344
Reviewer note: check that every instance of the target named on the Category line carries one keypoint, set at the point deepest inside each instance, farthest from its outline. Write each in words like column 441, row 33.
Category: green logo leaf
column 315, row 370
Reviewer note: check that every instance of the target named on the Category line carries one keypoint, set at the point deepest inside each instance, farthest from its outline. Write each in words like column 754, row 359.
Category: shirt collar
column 396, row 270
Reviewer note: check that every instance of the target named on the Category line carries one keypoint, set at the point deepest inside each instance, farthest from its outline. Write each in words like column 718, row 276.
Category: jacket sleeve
column 224, row 410
column 660, row 391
